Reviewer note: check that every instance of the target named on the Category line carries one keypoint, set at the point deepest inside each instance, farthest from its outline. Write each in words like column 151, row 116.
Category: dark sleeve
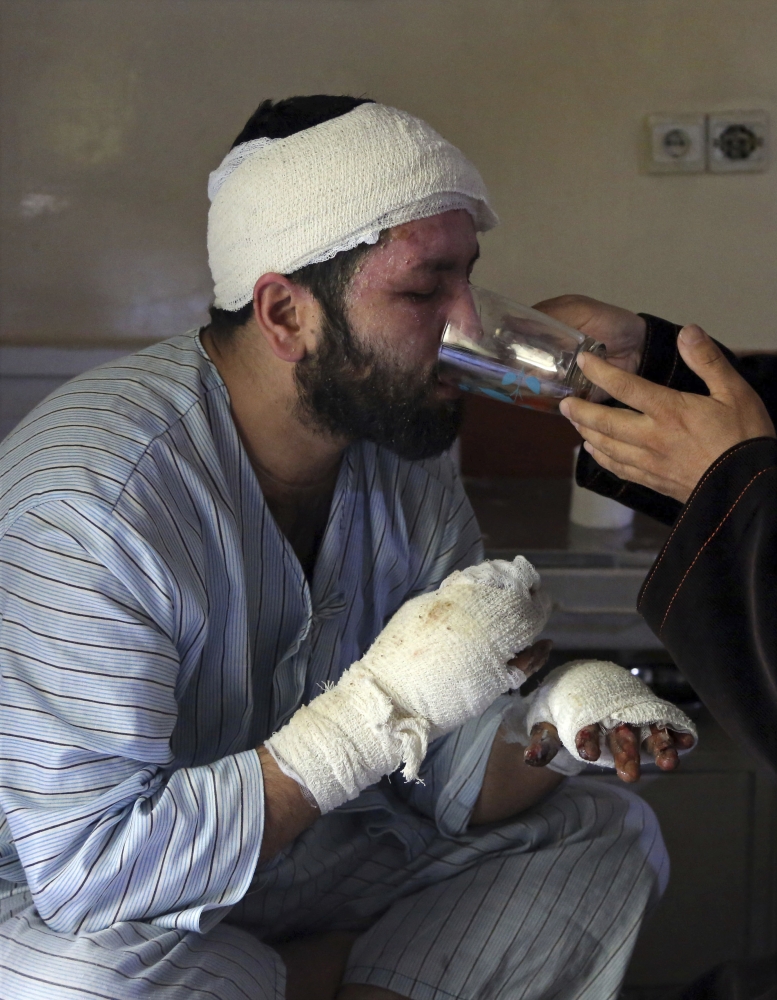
column 662, row 364
column 711, row 597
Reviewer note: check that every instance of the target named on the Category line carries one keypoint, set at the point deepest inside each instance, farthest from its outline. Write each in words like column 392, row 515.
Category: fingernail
column 691, row 335
column 540, row 655
column 668, row 760
column 582, row 359
column 564, row 408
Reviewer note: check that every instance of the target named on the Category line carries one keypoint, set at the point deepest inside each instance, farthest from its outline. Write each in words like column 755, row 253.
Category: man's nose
column 462, row 314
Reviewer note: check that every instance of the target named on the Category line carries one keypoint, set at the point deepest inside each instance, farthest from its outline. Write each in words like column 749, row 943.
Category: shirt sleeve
column 106, row 828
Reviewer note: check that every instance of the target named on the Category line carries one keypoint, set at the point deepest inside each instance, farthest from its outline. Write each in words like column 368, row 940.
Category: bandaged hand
column 591, row 711
column 441, row 660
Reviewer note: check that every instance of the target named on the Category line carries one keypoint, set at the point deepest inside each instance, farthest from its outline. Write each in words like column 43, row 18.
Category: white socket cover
column 738, row 141
column 677, row 143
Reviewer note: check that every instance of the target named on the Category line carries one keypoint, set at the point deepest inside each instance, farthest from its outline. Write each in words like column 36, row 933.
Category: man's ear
column 287, row 315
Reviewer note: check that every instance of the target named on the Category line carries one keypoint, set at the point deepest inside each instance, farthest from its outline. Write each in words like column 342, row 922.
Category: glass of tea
column 515, row 354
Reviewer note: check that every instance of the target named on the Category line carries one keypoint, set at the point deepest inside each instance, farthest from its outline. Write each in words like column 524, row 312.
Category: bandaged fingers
column 544, row 744
column 629, row 745
column 665, row 745
column 623, row 742
column 587, row 743
column 661, row 743
column 600, row 713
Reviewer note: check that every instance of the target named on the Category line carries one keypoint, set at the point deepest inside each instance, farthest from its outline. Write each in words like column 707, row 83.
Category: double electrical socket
column 722, row 143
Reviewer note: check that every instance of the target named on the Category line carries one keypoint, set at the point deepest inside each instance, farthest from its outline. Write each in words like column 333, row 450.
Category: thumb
column 703, row 356
column 532, row 659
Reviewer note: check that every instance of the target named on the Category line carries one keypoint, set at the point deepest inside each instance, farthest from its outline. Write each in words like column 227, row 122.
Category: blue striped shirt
column 156, row 626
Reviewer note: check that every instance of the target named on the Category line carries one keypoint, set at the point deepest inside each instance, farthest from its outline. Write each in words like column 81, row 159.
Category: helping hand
column 622, row 332
column 673, row 437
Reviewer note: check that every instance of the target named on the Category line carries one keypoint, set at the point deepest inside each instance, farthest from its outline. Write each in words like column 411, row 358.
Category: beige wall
column 113, row 112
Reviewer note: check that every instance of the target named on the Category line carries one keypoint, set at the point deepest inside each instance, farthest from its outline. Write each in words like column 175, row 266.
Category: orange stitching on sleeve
column 698, row 554
column 715, row 465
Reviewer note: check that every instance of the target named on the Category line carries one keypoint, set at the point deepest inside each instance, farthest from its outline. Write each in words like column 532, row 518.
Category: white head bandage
column 280, row 204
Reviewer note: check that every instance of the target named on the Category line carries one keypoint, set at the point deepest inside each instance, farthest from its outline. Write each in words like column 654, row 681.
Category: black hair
column 293, row 114
column 328, row 280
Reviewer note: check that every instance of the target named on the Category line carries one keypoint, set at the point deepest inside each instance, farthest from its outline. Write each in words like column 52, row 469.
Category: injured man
column 261, row 733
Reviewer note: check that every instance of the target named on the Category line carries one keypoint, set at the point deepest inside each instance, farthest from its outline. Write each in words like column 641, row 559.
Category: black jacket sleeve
column 711, row 596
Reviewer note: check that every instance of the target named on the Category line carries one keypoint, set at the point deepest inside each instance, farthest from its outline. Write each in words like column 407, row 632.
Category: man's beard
column 353, row 392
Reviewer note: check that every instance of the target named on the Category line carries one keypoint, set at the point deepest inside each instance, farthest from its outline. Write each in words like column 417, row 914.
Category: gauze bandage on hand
column 441, row 660
column 595, row 692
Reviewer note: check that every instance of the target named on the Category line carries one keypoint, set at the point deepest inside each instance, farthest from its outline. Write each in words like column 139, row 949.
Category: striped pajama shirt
column 155, row 627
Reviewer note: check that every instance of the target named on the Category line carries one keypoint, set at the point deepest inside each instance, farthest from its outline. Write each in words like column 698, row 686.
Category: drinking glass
column 515, row 354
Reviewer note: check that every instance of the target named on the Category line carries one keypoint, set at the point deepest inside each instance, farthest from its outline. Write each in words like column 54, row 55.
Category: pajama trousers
column 546, row 906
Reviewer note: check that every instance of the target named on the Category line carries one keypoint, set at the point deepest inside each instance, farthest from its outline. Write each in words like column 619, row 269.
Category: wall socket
column 737, row 141
column 721, row 143
column 677, row 144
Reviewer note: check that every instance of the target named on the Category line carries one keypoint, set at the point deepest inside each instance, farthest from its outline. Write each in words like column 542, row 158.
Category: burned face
column 373, row 375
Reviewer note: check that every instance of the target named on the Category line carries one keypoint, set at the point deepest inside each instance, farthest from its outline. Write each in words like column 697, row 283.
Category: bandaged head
column 280, row 204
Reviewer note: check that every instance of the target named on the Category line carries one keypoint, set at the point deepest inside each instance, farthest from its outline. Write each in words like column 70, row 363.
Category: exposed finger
column 684, row 741
column 618, row 450
column 703, row 356
column 624, row 746
column 574, row 310
column 660, row 743
column 534, row 658
column 587, row 743
column 623, row 425
column 543, row 746
column 634, row 474
column 647, row 397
